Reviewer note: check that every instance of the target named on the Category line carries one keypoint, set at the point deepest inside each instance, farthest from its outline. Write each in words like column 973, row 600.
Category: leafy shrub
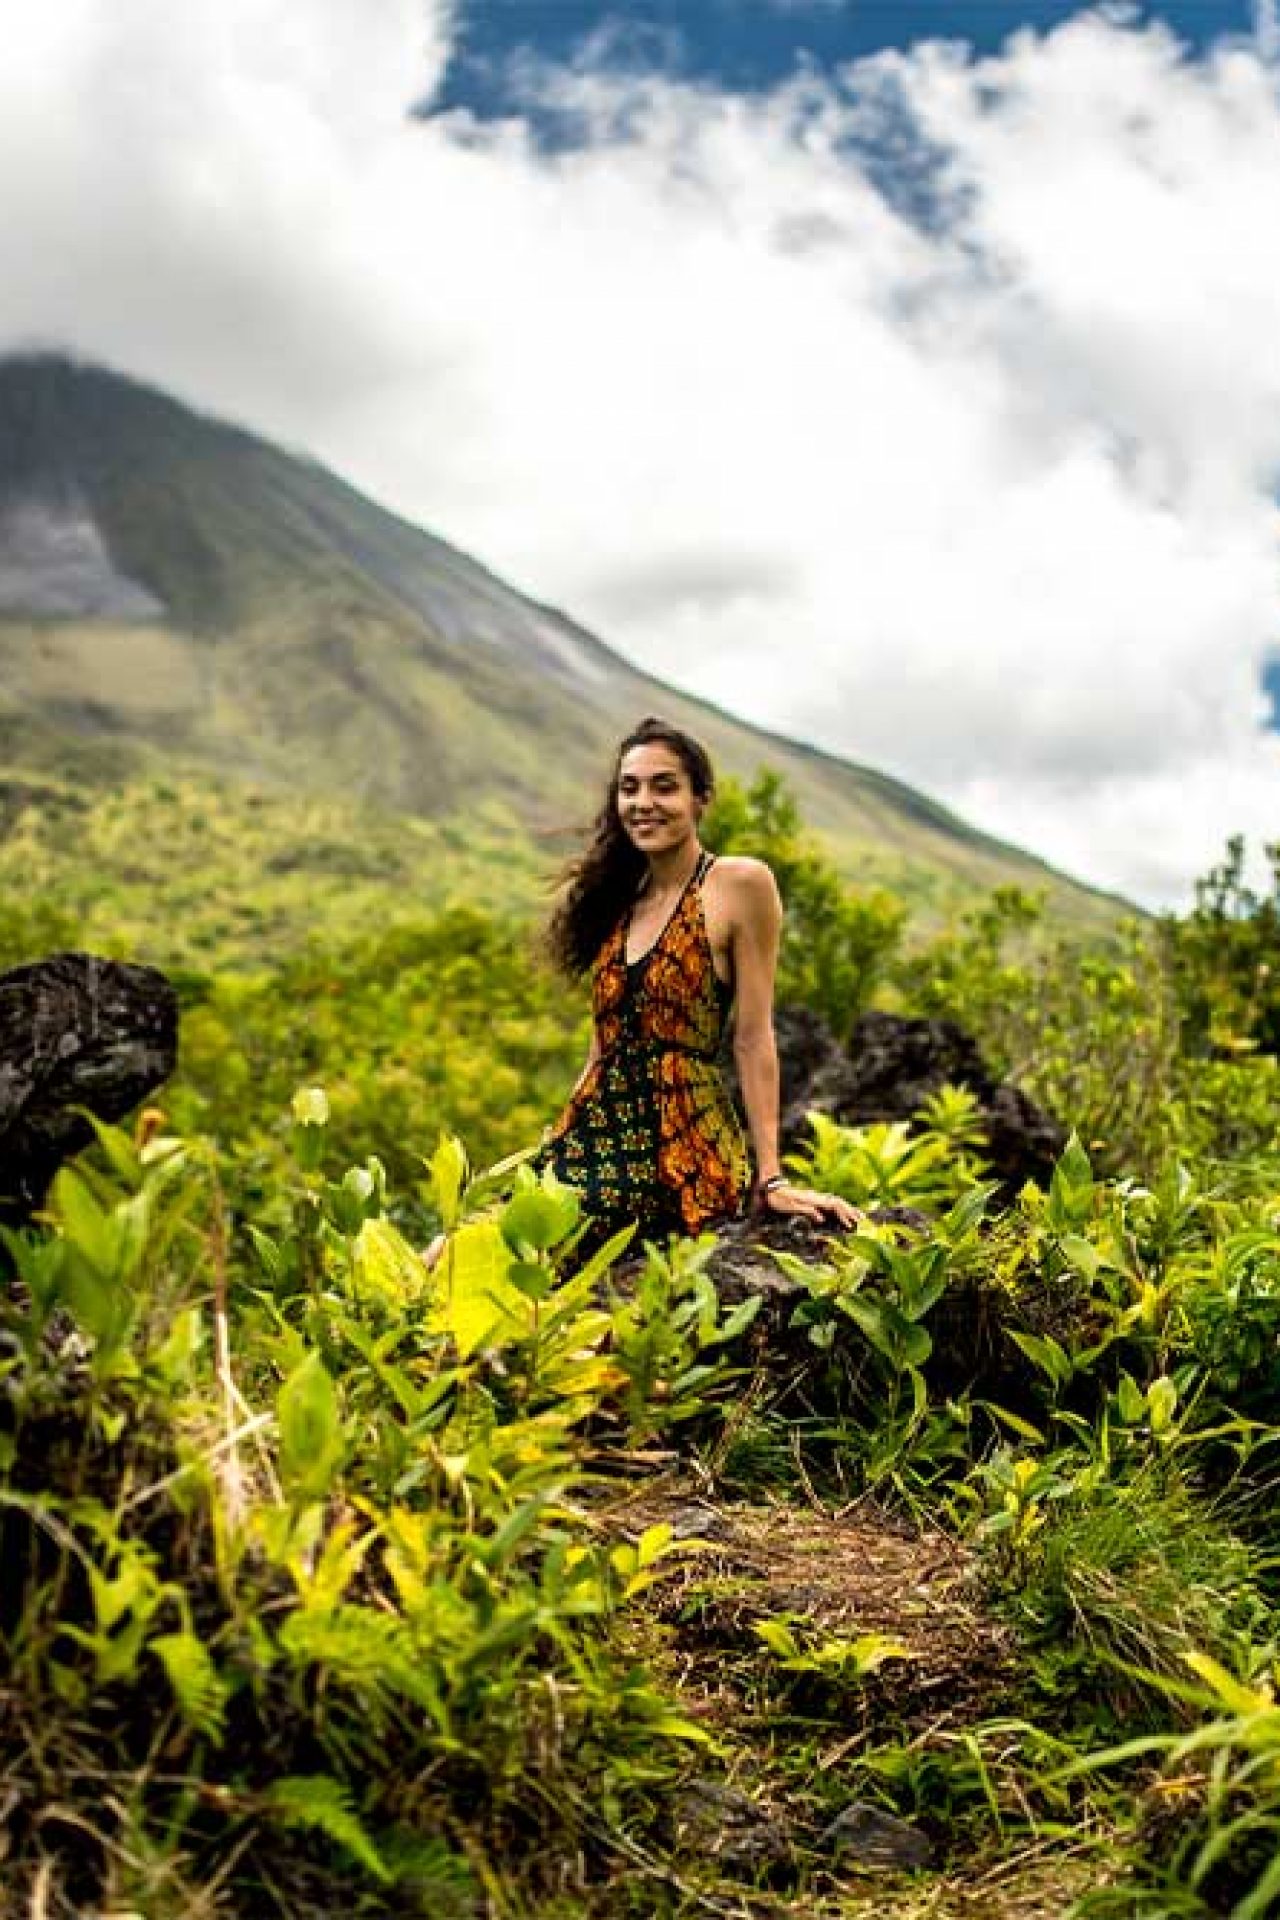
column 836, row 942
column 1225, row 957
column 305, row 1540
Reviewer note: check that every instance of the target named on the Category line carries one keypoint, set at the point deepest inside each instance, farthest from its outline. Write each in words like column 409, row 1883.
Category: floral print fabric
column 651, row 1133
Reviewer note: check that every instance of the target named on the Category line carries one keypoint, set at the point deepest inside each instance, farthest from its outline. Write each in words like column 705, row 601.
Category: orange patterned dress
column 651, row 1133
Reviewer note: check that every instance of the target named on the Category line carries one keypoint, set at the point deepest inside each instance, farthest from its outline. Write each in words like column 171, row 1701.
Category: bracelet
column 774, row 1180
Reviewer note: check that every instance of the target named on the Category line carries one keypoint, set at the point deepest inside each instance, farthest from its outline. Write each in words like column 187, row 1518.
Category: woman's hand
column 806, row 1204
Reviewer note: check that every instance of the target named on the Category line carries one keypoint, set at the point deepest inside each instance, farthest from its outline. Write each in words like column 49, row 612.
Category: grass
column 185, row 871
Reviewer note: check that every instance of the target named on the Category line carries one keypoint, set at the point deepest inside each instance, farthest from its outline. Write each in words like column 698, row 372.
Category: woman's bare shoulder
column 743, row 867
column 748, row 882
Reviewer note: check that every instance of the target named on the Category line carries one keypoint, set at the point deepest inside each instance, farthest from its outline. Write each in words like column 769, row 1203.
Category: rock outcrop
column 891, row 1066
column 75, row 1031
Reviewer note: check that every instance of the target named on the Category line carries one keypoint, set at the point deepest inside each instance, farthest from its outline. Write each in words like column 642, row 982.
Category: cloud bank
column 929, row 410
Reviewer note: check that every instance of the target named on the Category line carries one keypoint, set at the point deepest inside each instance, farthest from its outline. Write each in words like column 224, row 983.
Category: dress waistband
column 662, row 1046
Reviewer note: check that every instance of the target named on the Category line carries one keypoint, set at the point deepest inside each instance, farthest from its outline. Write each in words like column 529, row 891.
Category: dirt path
column 907, row 1714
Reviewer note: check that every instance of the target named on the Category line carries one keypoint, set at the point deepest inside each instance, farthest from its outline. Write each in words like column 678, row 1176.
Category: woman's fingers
column 822, row 1205
column 802, row 1203
column 796, row 1203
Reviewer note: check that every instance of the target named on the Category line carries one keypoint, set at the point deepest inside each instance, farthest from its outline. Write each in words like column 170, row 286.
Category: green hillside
column 178, row 594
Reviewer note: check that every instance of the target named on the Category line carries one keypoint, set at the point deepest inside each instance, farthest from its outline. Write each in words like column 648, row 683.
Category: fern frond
column 319, row 1802
column 198, row 1687
column 373, row 1653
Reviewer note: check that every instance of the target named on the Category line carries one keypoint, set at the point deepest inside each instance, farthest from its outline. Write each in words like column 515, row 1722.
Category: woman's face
column 656, row 802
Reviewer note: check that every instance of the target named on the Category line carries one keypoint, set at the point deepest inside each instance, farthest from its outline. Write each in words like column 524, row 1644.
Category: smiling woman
column 678, row 942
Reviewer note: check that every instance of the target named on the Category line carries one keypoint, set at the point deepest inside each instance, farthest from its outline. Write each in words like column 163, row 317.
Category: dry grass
column 838, row 1574
column 789, row 1758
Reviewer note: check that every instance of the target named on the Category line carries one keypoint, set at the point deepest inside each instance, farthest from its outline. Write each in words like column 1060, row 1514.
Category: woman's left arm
column 755, row 935
column 755, row 932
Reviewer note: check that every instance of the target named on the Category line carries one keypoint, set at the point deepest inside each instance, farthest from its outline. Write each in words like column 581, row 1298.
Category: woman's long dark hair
column 601, row 883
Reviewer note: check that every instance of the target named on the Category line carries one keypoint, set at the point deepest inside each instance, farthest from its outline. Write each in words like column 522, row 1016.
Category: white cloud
column 983, row 498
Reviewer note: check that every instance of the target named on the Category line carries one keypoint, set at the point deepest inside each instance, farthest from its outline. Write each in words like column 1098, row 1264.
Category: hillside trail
column 797, row 1747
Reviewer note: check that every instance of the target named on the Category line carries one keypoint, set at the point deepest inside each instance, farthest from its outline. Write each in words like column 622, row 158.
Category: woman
column 675, row 939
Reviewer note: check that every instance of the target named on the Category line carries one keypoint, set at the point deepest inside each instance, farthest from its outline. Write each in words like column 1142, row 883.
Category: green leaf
column 85, row 1224
column 102, row 1307
column 674, row 1726
column 1047, row 1354
column 777, row 1636
column 966, row 1213
column 117, row 1146
column 870, row 1650
column 740, row 1318
column 516, row 1527
column 384, row 1266
column 310, row 1117
column 268, row 1253
column 324, row 1578
column 653, row 1543
column 133, row 1587
column 1232, row 1693
column 901, row 1341
column 1130, row 1400
column 447, row 1168
column 873, row 1317
column 533, row 1281
column 1071, row 1188
column 311, row 1442
column 476, row 1305
column 117, row 1656
column 1162, row 1400
column 1081, row 1255
column 174, row 1358
column 539, row 1218
column 604, row 1257
column 512, row 1629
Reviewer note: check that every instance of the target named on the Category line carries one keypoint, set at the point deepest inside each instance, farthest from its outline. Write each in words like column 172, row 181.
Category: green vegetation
column 836, row 942
column 535, row 1583
column 300, row 637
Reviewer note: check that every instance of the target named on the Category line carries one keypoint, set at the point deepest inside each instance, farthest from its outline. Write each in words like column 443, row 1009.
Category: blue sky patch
column 748, row 46
column 1271, row 687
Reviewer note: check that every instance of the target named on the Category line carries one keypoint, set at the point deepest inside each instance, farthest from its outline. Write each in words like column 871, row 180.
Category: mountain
column 175, row 590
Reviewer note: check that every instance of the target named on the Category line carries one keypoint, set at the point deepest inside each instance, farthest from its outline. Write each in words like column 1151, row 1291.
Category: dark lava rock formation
column 75, row 1031
column 891, row 1066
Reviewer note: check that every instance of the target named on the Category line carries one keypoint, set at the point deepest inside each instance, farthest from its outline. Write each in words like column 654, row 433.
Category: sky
column 904, row 377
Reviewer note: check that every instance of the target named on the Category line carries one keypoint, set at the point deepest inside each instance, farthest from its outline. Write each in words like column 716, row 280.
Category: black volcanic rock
column 75, row 1030
column 1023, row 1141
column 869, row 1837
column 814, row 1069
column 891, row 1067
column 899, row 1062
